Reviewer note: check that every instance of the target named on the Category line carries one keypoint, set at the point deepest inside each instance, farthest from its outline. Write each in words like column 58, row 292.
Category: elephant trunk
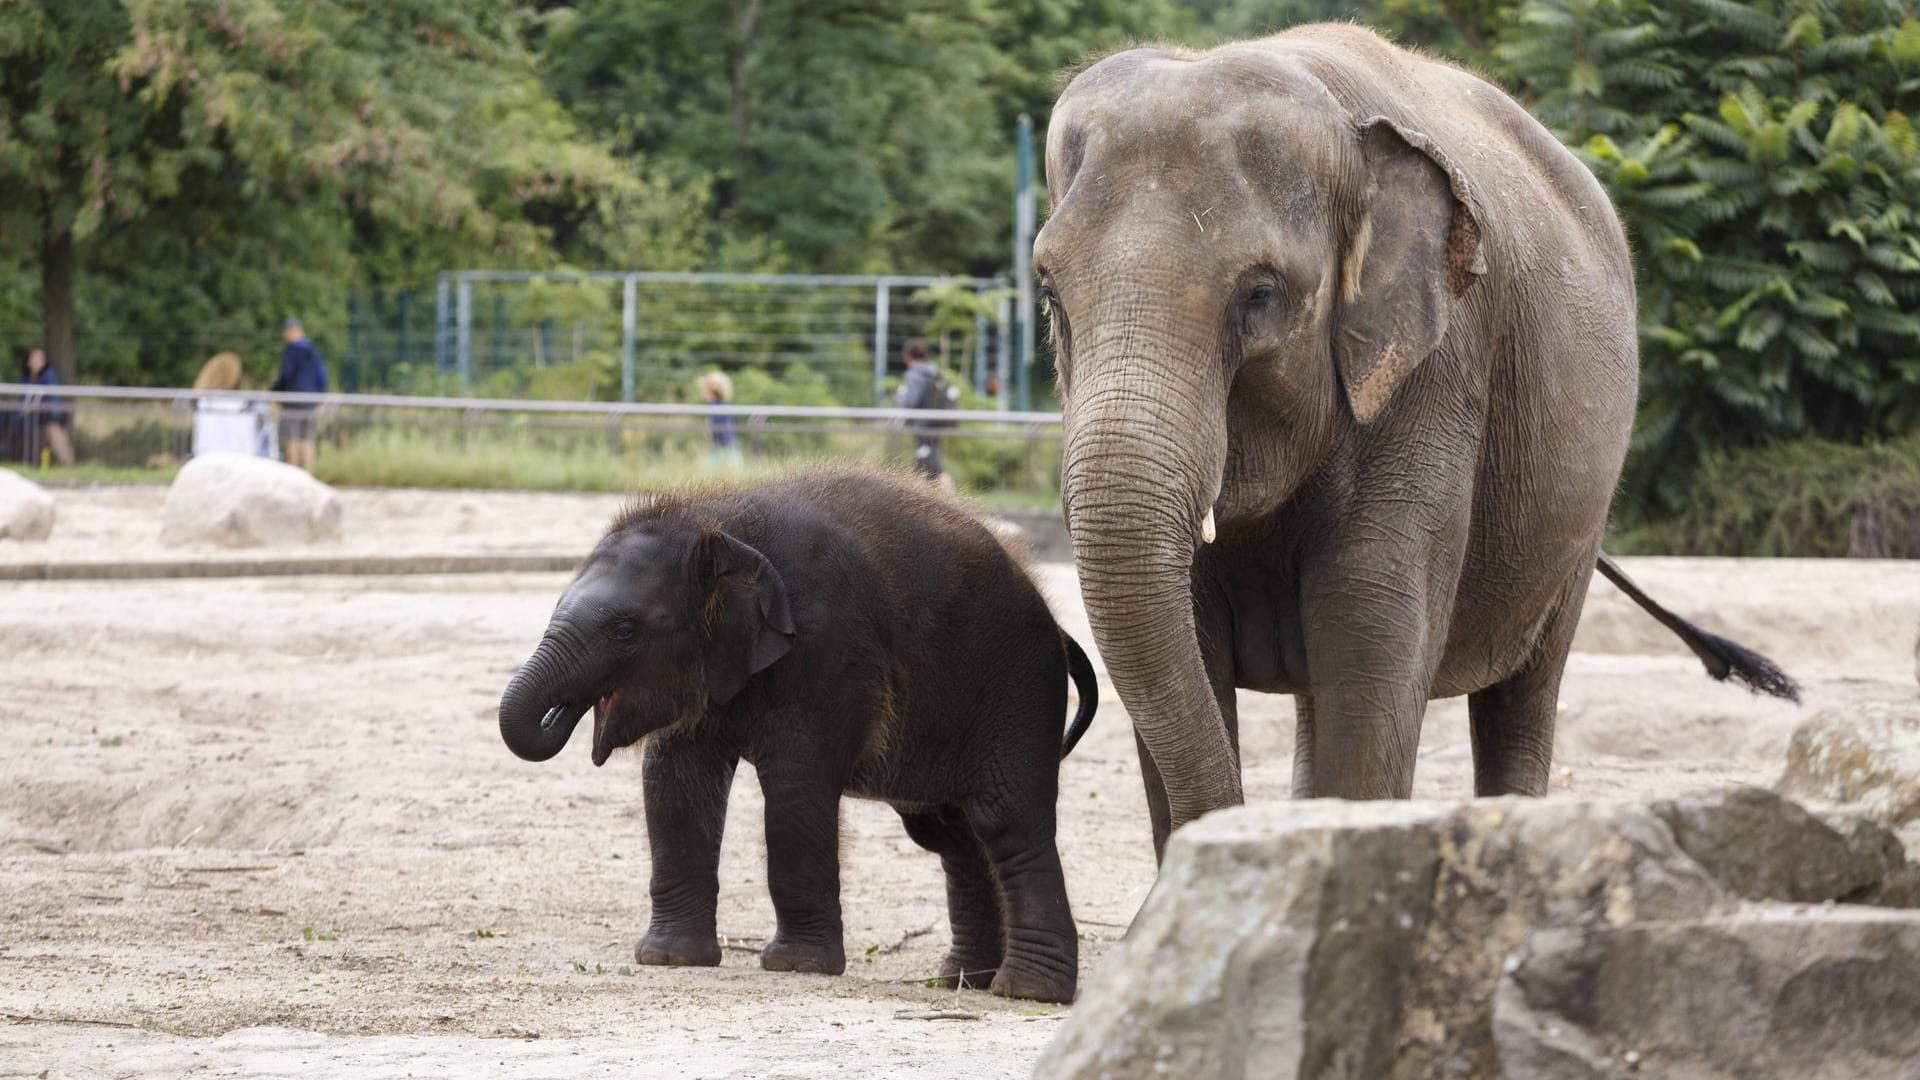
column 538, row 711
column 1145, row 449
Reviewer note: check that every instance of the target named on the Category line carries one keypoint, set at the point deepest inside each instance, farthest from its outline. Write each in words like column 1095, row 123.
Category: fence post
column 629, row 329
column 465, row 332
column 358, row 364
column 880, row 343
column 980, row 354
column 499, row 329
column 1003, row 354
column 442, row 313
column 1022, row 257
column 403, row 351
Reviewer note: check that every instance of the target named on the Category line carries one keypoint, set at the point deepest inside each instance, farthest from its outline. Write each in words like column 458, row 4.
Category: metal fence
column 406, row 440
column 500, row 330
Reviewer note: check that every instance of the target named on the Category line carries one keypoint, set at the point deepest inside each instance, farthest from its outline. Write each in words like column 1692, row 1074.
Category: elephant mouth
column 602, row 709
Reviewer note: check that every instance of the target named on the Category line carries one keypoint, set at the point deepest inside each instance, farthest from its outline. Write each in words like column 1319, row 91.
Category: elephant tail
column 1083, row 681
column 1722, row 658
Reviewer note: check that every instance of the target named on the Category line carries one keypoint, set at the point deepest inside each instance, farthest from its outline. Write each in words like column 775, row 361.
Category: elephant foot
column 661, row 948
column 809, row 958
column 1017, row 982
column 958, row 972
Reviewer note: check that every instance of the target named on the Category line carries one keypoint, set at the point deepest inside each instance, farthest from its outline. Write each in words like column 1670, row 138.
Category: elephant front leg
column 973, row 897
column 1370, row 674
column 1042, row 960
column 803, row 871
column 686, row 788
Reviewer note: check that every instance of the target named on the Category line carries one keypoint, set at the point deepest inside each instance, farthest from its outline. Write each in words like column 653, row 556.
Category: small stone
column 26, row 511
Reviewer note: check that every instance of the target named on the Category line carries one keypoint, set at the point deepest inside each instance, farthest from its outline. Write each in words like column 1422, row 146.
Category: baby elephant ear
column 750, row 624
column 1415, row 250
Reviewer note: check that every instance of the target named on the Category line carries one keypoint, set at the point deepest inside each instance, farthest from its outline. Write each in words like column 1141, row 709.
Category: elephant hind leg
column 973, row 898
column 1512, row 721
column 1042, row 958
column 1302, row 746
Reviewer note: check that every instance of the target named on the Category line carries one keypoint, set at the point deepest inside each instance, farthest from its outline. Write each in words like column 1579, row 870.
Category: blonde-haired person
column 723, row 430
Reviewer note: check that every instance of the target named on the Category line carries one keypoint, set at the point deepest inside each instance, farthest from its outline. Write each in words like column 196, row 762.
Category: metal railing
column 870, row 416
column 406, row 440
column 690, row 320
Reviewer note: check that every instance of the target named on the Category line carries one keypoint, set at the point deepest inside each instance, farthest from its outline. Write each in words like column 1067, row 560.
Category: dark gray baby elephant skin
column 1346, row 350
column 846, row 633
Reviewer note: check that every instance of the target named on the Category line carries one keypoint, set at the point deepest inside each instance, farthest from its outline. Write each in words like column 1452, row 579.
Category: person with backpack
column 926, row 388
column 302, row 371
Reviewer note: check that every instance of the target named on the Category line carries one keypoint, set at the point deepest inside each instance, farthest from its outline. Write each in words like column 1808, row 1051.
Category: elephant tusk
column 1206, row 528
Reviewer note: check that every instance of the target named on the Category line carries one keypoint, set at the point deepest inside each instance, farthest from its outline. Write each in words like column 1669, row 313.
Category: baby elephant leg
column 803, row 871
column 686, row 786
column 973, row 897
column 1042, row 960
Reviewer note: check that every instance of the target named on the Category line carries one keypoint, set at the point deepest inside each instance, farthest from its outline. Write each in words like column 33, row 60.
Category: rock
column 1864, row 758
column 237, row 501
column 26, row 511
column 1331, row 939
column 1763, row 847
column 1774, row 991
column 1277, row 936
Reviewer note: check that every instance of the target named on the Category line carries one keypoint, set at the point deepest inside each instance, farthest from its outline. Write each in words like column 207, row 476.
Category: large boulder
column 1865, row 758
column 1760, row 846
column 237, row 501
column 1331, row 939
column 26, row 512
column 1812, row 994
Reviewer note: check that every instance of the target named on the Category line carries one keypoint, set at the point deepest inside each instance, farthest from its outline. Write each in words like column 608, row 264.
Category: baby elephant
column 847, row 634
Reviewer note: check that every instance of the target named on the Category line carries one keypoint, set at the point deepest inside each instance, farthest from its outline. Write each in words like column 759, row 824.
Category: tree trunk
column 56, row 299
column 745, row 17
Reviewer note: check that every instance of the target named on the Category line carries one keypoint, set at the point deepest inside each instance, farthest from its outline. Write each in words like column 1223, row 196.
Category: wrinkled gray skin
column 1367, row 312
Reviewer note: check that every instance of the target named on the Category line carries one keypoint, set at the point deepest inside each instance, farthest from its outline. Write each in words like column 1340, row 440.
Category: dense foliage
column 177, row 174
column 1763, row 159
column 1806, row 497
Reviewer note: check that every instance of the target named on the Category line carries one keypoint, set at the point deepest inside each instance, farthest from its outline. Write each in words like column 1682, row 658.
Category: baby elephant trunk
column 537, row 715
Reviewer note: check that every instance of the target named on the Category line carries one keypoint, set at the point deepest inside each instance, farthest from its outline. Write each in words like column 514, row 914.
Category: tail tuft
column 1723, row 659
column 1727, row 659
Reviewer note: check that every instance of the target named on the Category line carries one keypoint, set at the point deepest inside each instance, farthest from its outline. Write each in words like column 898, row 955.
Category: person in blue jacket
column 302, row 371
column 49, row 410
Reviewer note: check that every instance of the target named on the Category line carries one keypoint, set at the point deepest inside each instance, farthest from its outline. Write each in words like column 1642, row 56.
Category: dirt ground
column 263, row 827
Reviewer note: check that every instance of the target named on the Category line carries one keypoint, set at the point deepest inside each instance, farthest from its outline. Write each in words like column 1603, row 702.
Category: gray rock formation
column 1864, row 758
column 1364, row 940
column 231, row 500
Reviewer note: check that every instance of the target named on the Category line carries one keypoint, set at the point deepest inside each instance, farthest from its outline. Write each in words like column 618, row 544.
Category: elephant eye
column 1261, row 295
column 623, row 630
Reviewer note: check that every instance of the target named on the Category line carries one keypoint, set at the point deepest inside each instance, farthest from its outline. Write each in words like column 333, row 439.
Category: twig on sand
column 227, row 869
column 742, row 944
column 935, row 1014
column 918, row 931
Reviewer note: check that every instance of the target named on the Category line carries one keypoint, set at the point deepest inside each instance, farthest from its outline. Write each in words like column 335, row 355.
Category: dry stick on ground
column 741, row 943
column 918, row 931
column 935, row 1014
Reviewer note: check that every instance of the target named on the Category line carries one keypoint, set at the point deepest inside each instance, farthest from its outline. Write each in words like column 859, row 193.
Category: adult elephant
column 1362, row 311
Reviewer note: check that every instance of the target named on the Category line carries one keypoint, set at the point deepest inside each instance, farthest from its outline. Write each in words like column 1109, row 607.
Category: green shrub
column 1807, row 497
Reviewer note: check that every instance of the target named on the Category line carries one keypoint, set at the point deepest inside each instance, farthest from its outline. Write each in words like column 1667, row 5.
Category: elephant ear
column 748, row 621
column 1415, row 250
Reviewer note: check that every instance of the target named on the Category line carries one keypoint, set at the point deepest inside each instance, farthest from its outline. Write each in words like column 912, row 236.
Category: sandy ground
column 264, row 827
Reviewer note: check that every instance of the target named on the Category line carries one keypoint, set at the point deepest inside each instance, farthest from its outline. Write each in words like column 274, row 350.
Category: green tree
column 1762, row 158
column 223, row 161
